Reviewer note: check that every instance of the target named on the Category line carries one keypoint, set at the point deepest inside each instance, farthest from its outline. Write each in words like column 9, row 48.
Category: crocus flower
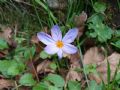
column 56, row 44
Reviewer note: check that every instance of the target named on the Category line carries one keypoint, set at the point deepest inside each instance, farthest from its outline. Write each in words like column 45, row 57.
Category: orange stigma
column 59, row 44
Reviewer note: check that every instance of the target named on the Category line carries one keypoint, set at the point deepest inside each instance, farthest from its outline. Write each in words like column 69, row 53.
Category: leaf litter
column 93, row 56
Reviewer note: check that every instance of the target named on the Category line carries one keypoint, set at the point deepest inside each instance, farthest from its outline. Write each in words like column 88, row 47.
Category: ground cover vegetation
column 59, row 44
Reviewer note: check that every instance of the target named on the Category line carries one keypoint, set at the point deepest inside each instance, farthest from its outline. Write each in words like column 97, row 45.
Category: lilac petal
column 51, row 49
column 45, row 38
column 70, row 35
column 69, row 49
column 56, row 33
column 60, row 53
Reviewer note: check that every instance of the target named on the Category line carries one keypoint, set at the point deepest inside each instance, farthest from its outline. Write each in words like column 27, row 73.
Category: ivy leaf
column 74, row 85
column 3, row 44
column 57, row 80
column 27, row 80
column 99, row 7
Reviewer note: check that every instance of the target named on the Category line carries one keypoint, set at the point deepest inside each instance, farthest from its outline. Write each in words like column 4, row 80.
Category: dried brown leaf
column 102, row 67
column 80, row 23
column 81, row 19
column 75, row 58
column 34, row 39
column 75, row 64
column 113, row 60
column 6, row 33
column 44, row 67
column 6, row 83
column 73, row 75
column 93, row 56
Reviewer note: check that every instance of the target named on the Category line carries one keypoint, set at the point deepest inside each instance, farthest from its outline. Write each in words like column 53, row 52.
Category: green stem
column 81, row 60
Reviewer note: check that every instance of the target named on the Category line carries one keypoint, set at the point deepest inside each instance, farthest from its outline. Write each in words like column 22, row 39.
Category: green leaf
column 99, row 7
column 4, row 65
column 41, row 86
column 74, row 85
column 117, row 33
column 117, row 78
column 100, row 31
column 15, row 68
column 11, row 67
column 96, row 18
column 44, row 55
column 116, row 44
column 53, row 66
column 55, row 79
column 93, row 86
column 53, row 88
column 90, row 69
column 27, row 80
column 29, row 53
column 3, row 44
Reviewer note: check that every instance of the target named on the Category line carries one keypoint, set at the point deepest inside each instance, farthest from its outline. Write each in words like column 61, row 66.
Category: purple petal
column 70, row 35
column 56, row 33
column 69, row 49
column 45, row 38
column 51, row 49
column 60, row 53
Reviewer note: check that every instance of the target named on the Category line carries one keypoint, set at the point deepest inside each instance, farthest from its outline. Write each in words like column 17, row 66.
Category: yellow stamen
column 59, row 44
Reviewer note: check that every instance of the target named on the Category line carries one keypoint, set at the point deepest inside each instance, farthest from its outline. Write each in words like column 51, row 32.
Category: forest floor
column 36, row 51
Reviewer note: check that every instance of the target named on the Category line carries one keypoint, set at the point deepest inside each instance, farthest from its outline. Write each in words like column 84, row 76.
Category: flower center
column 59, row 44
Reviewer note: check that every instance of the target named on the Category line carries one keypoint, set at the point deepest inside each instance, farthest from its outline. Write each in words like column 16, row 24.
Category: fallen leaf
column 75, row 64
column 6, row 83
column 80, row 23
column 81, row 19
column 44, row 67
column 6, row 33
column 73, row 75
column 113, row 60
column 93, row 56
column 34, row 39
